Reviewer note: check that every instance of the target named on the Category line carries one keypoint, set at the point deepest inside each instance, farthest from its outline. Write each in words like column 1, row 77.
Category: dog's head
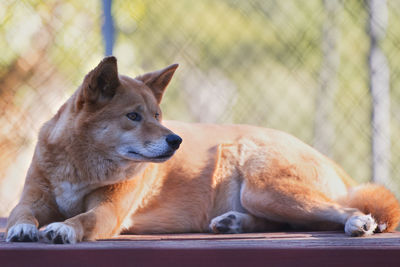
column 121, row 116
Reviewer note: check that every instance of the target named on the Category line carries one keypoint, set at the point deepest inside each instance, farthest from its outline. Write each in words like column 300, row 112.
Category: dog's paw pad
column 23, row 232
column 360, row 225
column 60, row 233
column 228, row 223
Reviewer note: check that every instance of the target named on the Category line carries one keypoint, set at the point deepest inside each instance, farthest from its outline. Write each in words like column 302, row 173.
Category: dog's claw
column 49, row 235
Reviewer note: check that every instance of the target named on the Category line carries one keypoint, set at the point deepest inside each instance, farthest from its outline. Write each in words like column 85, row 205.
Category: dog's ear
column 100, row 85
column 158, row 80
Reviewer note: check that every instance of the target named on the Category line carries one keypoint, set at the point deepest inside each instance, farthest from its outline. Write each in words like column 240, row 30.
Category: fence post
column 380, row 92
column 108, row 27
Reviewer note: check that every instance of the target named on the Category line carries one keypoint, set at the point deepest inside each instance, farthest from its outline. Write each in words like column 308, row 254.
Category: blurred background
column 327, row 72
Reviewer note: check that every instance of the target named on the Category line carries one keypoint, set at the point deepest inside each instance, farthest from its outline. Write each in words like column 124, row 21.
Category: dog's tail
column 379, row 202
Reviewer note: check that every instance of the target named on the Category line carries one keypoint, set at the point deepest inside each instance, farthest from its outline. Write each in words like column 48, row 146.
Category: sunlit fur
column 99, row 173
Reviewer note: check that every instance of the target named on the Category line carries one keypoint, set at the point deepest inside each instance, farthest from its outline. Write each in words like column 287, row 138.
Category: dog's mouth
column 158, row 158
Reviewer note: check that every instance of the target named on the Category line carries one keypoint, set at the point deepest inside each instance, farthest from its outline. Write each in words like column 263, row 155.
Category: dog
column 105, row 165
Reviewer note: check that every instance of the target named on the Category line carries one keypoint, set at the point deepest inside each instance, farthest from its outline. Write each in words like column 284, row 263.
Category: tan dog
column 97, row 172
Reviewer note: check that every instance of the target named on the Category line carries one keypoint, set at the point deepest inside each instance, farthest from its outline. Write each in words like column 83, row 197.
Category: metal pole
column 380, row 92
column 108, row 27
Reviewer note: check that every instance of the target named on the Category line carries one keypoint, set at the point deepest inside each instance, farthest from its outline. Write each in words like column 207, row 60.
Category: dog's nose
column 173, row 141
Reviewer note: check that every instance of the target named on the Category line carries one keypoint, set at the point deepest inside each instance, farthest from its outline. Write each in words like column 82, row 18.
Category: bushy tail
column 379, row 202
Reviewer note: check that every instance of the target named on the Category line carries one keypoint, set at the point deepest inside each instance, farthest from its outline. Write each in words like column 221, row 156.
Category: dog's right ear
column 99, row 85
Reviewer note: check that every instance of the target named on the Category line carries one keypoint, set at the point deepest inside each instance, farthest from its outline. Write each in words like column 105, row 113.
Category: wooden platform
column 260, row 249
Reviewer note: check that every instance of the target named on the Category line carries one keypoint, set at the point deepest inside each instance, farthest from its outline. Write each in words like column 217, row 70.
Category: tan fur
column 101, row 173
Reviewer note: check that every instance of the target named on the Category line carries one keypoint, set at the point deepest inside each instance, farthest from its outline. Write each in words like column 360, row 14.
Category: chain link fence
column 304, row 67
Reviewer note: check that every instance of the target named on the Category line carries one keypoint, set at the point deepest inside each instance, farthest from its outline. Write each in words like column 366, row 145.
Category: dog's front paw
column 23, row 232
column 360, row 225
column 60, row 233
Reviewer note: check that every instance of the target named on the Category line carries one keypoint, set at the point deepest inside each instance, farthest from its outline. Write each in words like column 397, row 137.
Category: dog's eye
column 157, row 116
column 134, row 116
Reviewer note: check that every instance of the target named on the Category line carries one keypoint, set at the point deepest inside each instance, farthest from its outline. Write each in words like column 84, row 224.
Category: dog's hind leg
column 291, row 201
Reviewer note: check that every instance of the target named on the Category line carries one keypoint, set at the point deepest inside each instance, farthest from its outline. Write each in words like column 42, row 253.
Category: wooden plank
column 64, row 256
column 255, row 249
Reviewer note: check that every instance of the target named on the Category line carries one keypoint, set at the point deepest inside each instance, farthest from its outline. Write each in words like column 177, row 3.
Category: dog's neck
column 74, row 168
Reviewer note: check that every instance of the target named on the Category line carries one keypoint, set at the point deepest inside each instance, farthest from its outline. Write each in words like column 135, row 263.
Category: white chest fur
column 69, row 197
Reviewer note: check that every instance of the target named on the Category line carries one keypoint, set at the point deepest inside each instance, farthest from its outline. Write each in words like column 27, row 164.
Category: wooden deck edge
column 249, row 250
column 201, row 257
